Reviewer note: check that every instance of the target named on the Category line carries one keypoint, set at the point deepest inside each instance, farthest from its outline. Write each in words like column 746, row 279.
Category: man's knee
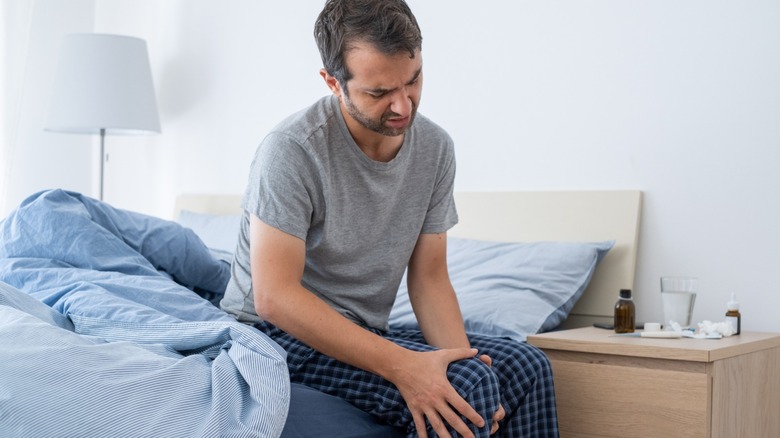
column 476, row 382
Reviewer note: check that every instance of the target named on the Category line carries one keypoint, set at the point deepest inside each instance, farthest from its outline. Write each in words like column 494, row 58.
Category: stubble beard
column 378, row 126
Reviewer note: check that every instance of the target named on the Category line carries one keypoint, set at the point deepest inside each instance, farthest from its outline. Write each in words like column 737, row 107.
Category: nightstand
column 614, row 386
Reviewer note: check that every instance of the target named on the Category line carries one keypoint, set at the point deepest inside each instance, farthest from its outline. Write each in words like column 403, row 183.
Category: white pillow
column 512, row 290
column 218, row 232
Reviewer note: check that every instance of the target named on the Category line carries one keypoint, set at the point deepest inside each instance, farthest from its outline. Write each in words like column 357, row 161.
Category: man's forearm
column 438, row 314
column 312, row 321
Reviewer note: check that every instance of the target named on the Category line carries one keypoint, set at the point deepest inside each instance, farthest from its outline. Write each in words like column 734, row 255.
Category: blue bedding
column 109, row 327
column 122, row 336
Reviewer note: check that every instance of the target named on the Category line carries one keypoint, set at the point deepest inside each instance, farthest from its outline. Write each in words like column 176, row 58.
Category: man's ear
column 331, row 82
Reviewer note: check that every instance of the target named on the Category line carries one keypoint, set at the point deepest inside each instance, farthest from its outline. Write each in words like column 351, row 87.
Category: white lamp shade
column 103, row 82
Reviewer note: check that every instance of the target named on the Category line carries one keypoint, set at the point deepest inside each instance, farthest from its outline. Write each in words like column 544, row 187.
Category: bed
column 109, row 322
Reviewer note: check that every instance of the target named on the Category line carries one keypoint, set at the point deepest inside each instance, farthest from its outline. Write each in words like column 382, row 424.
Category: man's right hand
column 429, row 394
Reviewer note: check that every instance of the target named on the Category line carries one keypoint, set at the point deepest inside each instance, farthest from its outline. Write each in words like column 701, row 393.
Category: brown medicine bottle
column 625, row 313
column 733, row 316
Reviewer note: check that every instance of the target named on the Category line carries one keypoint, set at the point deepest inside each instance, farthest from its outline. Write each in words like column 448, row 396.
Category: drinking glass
column 678, row 295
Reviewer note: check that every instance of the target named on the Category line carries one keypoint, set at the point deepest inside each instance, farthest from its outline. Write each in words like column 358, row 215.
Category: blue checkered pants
column 520, row 377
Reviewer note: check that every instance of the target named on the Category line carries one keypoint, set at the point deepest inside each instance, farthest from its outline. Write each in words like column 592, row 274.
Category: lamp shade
column 103, row 82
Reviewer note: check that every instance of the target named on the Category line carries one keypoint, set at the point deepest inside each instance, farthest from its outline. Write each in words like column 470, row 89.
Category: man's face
column 384, row 91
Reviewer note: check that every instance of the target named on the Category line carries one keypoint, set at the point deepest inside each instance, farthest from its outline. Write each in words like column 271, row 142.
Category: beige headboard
column 576, row 216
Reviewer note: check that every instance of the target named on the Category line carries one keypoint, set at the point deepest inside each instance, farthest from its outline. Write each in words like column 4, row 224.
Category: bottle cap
column 733, row 304
column 625, row 293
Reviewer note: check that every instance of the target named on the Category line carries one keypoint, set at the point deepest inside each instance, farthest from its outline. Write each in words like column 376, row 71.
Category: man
column 342, row 198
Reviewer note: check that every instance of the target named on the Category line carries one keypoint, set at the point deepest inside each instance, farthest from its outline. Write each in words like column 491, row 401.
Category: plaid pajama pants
column 520, row 377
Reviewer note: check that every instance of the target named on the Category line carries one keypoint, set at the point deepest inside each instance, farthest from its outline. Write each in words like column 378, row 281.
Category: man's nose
column 401, row 103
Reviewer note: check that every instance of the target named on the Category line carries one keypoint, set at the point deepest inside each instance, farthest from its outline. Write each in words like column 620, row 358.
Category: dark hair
column 388, row 25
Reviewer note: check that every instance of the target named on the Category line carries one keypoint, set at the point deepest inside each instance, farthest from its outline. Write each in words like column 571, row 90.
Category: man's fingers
column 454, row 420
column 498, row 416
column 419, row 424
column 465, row 409
column 453, row 354
column 454, row 399
column 438, row 425
column 500, row 413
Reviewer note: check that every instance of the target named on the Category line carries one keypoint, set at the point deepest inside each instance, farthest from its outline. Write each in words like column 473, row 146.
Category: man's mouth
column 398, row 122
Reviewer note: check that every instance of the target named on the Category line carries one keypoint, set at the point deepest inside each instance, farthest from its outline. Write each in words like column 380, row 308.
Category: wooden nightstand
column 609, row 386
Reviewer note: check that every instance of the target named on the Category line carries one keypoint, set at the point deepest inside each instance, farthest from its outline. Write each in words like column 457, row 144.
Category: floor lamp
column 103, row 85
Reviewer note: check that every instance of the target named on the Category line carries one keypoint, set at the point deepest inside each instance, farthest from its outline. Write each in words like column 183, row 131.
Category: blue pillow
column 512, row 290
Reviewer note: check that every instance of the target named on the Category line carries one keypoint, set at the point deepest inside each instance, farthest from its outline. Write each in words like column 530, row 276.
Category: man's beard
column 378, row 126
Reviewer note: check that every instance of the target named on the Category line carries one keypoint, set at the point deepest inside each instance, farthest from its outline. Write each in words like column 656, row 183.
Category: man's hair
column 388, row 25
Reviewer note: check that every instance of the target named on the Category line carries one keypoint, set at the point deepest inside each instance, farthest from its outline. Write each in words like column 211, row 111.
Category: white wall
column 678, row 99
column 31, row 158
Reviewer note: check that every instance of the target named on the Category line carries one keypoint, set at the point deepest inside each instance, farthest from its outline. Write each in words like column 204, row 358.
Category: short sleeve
column 279, row 187
column 442, row 213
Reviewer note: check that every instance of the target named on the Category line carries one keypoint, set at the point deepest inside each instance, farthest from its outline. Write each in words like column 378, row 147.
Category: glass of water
column 678, row 295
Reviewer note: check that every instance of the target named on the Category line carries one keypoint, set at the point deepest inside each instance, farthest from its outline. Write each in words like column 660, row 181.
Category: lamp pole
column 102, row 158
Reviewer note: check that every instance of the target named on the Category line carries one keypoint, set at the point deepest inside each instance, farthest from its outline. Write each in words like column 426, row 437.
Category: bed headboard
column 576, row 216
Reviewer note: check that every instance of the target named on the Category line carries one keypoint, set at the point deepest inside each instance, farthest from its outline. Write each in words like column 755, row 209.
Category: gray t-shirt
column 360, row 218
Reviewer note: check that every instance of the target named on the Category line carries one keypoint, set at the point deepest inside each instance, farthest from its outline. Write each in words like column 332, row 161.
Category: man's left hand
column 500, row 412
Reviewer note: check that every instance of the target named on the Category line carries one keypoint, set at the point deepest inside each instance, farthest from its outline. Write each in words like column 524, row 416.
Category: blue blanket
column 130, row 345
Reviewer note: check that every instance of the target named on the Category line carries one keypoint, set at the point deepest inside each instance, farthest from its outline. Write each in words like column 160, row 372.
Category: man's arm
column 434, row 301
column 432, row 296
column 277, row 263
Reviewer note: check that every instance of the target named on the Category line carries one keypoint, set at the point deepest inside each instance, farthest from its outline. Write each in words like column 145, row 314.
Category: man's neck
column 376, row 146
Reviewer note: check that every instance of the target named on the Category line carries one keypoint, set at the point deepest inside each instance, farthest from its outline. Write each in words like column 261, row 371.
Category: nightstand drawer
column 603, row 400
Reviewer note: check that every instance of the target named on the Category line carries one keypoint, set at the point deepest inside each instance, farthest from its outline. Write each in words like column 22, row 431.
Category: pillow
column 218, row 232
column 512, row 290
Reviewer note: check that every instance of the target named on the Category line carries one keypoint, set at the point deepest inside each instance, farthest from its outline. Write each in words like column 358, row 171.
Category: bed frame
column 575, row 216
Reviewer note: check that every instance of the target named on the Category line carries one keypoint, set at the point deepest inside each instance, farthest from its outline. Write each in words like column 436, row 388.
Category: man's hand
column 500, row 412
column 429, row 394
